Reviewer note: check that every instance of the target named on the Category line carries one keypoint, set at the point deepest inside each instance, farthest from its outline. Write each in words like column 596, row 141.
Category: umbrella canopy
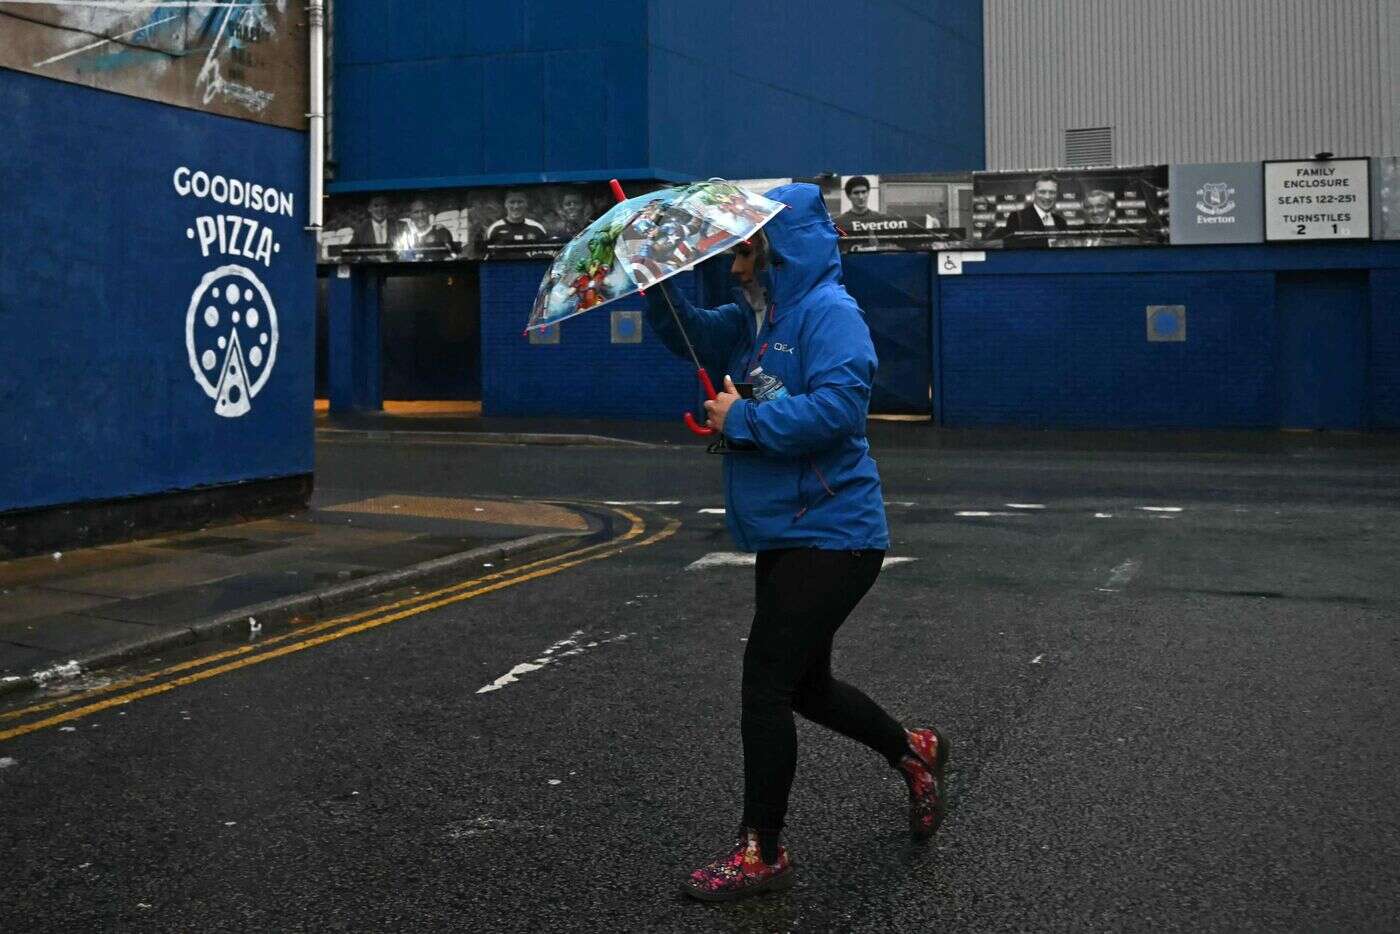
column 643, row 240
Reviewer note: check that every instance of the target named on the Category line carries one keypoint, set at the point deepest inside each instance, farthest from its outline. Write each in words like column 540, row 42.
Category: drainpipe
column 316, row 19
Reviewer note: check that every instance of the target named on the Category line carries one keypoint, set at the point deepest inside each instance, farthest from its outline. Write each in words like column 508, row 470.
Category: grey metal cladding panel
column 1192, row 80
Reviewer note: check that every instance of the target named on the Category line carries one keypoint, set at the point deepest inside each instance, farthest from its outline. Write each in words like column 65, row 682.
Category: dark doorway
column 322, row 335
column 430, row 332
column 1322, row 349
column 893, row 291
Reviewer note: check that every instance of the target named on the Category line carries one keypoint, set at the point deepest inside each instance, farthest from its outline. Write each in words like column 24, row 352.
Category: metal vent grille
column 1089, row 146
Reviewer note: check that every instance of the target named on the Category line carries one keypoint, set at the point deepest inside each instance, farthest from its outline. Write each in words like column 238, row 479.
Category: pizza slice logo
column 229, row 311
column 231, row 400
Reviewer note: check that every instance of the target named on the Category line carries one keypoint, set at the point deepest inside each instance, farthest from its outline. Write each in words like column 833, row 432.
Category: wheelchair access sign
column 950, row 262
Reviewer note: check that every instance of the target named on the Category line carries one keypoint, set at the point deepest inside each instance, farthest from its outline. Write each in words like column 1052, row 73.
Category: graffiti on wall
column 241, row 58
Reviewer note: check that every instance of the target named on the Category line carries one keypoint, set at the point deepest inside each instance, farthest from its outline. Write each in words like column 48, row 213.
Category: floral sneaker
column 739, row 873
column 924, row 768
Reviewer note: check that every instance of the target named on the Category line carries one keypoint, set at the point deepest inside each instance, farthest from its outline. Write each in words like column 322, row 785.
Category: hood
column 802, row 245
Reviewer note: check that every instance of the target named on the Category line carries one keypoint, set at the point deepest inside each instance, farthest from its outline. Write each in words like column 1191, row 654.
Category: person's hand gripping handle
column 717, row 409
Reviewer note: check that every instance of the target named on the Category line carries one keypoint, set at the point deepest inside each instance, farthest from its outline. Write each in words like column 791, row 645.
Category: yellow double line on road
column 306, row 637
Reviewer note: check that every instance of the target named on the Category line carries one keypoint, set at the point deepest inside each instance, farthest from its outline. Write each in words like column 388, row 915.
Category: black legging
column 802, row 596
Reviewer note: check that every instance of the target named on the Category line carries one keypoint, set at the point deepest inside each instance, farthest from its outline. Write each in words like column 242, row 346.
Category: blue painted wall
column 446, row 92
column 1051, row 338
column 97, row 393
column 585, row 375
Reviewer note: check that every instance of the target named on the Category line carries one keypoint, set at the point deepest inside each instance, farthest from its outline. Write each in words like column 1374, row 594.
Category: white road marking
column 1160, row 508
column 6, row 762
column 710, row 512
column 1103, row 515
column 474, row 828
column 972, row 514
column 1036, row 660
column 895, row 503
column 1120, row 576
column 1025, row 505
column 641, row 502
column 573, row 645
column 741, row 559
column 719, row 559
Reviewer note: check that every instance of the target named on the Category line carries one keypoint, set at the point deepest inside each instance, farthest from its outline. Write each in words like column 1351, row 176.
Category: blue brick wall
column 1046, row 339
column 1058, row 338
column 585, row 375
column 1072, row 351
column 1385, row 348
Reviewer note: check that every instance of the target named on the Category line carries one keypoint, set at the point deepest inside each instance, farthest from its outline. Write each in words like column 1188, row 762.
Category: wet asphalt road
column 1161, row 720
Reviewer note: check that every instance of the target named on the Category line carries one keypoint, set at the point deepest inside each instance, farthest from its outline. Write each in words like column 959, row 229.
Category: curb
column 282, row 610
column 474, row 437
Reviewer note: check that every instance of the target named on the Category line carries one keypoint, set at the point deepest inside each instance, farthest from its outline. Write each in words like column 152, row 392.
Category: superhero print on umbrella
column 585, row 273
column 643, row 240
column 231, row 337
column 667, row 237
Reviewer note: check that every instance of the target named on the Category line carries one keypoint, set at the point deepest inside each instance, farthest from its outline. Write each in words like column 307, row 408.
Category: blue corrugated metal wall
column 451, row 92
column 101, row 262
column 742, row 89
column 444, row 92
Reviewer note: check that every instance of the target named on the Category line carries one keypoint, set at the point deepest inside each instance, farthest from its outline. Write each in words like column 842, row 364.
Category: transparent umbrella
column 645, row 240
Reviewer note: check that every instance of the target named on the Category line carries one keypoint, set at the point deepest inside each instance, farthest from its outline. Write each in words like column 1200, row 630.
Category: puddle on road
column 87, row 681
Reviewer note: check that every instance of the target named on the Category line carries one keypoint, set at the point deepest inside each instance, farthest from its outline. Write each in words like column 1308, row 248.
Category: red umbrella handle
column 690, row 422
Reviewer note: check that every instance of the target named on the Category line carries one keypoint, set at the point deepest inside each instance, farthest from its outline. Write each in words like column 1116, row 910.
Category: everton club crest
column 1215, row 199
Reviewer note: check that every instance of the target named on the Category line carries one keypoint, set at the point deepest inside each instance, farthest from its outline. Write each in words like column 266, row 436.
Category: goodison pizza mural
column 231, row 319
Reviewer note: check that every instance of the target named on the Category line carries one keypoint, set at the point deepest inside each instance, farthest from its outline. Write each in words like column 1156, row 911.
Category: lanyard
column 756, row 359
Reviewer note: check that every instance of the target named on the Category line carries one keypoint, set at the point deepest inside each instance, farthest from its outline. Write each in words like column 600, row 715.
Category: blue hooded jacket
column 808, row 479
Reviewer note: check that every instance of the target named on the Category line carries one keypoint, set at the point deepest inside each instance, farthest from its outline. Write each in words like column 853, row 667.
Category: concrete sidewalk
column 97, row 606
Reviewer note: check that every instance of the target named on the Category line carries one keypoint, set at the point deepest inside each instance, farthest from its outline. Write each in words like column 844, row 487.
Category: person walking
column 801, row 490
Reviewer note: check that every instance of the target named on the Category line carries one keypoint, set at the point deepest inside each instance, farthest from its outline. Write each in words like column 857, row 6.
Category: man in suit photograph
column 378, row 232
column 1039, row 216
